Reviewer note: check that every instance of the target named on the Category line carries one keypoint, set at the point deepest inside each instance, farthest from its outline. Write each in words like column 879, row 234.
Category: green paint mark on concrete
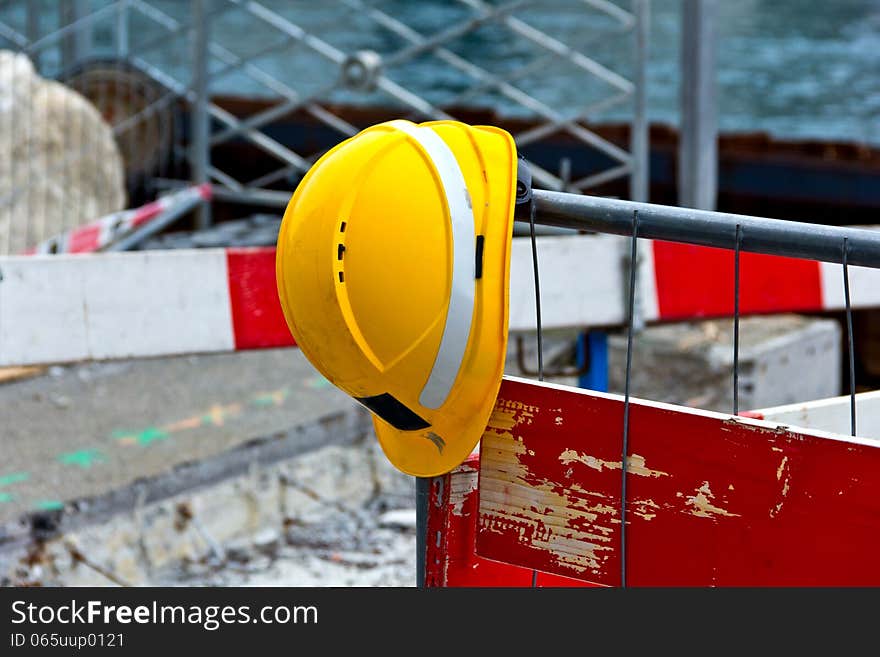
column 8, row 480
column 144, row 437
column 271, row 398
column 318, row 382
column 50, row 505
column 13, row 478
column 84, row 458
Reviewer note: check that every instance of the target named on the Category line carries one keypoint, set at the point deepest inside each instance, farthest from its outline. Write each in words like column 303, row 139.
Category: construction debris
column 783, row 359
column 323, row 519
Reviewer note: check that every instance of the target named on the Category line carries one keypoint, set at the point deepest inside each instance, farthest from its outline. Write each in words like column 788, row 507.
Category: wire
column 849, row 332
column 736, row 320
column 540, row 331
column 537, row 294
column 629, row 339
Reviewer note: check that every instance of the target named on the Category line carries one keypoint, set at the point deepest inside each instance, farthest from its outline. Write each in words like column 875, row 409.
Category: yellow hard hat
column 392, row 265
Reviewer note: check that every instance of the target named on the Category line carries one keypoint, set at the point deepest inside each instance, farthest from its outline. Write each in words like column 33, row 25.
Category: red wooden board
column 712, row 499
column 452, row 524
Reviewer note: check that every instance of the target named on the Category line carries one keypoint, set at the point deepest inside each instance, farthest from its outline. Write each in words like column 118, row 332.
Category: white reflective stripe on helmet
column 457, row 330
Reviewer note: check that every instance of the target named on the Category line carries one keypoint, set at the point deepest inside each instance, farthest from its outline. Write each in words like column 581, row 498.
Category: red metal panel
column 257, row 319
column 712, row 499
column 452, row 524
column 697, row 281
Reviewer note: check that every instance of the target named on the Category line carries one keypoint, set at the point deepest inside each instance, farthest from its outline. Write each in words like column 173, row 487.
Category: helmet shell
column 392, row 267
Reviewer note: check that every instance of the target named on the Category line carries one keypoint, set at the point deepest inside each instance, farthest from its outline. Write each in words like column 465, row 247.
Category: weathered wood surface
column 712, row 499
column 452, row 522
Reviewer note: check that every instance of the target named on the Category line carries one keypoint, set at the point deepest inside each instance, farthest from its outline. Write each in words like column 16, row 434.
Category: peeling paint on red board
column 452, row 521
column 712, row 499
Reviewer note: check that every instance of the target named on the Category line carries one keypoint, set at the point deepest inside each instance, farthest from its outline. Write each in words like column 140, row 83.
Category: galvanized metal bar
column 639, row 146
column 554, row 45
column 335, row 55
column 269, row 115
column 154, row 226
column 618, row 13
column 267, row 197
column 200, row 154
column 14, row 37
column 82, row 23
column 281, row 23
column 172, row 26
column 233, row 62
column 122, row 40
column 513, row 93
column 75, row 47
column 600, row 178
column 698, row 147
column 257, row 138
column 706, row 228
column 224, row 178
column 32, row 29
column 435, row 41
column 556, row 120
column 545, row 129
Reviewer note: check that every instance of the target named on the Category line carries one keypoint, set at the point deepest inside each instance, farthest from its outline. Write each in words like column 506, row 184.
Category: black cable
column 537, row 294
column 629, row 339
column 736, row 320
column 849, row 331
column 537, row 319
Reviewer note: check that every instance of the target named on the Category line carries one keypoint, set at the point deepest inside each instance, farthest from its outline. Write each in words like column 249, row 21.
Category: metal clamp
column 523, row 200
column 361, row 69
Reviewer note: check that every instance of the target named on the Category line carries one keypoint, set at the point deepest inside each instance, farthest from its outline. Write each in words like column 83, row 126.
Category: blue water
column 793, row 68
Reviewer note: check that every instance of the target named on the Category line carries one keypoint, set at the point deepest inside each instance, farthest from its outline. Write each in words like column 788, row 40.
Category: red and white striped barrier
column 72, row 307
column 106, row 230
column 583, row 283
column 148, row 303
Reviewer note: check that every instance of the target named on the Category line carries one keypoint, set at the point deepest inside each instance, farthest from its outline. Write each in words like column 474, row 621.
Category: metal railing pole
column 76, row 46
column 122, row 42
column 698, row 148
column 200, row 156
column 32, row 29
column 793, row 239
column 639, row 145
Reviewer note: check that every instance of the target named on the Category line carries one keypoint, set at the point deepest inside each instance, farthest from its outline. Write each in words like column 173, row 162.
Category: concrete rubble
column 783, row 359
column 691, row 363
column 333, row 517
